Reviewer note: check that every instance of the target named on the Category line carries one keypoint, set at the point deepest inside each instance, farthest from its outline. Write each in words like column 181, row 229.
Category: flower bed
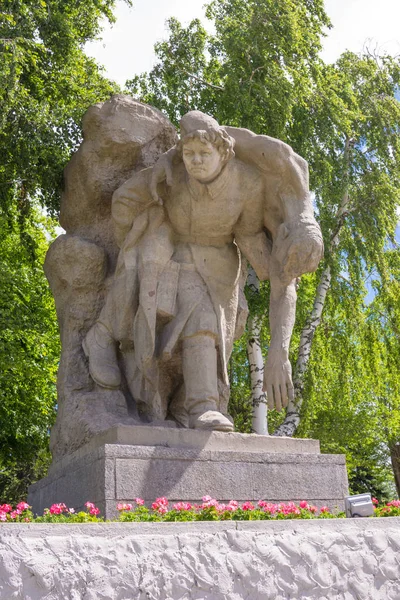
column 209, row 510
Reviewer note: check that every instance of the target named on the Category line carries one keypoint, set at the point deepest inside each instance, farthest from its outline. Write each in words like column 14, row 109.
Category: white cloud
column 127, row 47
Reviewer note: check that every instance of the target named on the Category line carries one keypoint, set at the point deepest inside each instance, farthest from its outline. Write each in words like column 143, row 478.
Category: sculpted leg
column 201, row 384
column 101, row 350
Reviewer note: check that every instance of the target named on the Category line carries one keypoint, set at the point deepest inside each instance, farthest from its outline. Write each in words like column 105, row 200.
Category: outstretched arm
column 278, row 371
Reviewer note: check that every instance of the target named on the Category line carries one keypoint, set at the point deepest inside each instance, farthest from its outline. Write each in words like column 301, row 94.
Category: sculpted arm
column 288, row 211
column 130, row 200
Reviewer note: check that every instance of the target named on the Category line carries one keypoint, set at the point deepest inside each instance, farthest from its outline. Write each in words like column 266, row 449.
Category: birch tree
column 348, row 131
column 256, row 359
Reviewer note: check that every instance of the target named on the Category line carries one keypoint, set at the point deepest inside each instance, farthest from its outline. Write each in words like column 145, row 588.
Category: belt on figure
column 204, row 240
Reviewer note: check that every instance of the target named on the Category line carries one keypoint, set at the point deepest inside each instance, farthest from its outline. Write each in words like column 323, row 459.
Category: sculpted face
column 202, row 160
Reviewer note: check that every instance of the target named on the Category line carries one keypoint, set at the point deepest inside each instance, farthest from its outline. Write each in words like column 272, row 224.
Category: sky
column 126, row 48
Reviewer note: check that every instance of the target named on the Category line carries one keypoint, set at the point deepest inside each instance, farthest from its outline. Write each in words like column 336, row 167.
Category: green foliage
column 29, row 354
column 46, row 84
column 249, row 74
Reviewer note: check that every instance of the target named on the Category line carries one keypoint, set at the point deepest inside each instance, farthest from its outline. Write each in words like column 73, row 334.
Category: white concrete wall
column 298, row 560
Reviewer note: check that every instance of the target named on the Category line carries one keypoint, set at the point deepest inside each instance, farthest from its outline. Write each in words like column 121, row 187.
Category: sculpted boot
column 200, row 377
column 101, row 350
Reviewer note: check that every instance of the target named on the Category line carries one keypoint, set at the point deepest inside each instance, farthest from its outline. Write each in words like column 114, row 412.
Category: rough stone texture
column 121, row 136
column 301, row 560
column 113, row 472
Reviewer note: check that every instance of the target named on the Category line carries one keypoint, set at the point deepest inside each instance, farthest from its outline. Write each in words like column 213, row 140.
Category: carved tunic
column 205, row 221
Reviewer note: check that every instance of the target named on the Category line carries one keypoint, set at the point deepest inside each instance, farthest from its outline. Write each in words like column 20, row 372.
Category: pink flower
column 209, row 502
column 94, row 511
column 6, row 508
column 303, row 504
column 247, row 506
column 324, row 509
column 3, row 516
column 56, row 509
column 160, row 505
column 313, row 509
column 221, row 507
column 375, row 501
column 123, row 506
column 139, row 501
column 269, row 507
column 182, row 506
column 89, row 505
column 393, row 503
column 23, row 506
column 15, row 513
column 163, row 501
column 71, row 511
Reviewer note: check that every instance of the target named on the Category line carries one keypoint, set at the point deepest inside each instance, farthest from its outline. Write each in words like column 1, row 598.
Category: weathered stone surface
column 313, row 560
column 113, row 472
column 121, row 136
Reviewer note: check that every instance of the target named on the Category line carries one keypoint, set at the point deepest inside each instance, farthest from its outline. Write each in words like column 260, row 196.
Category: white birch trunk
column 292, row 419
column 256, row 364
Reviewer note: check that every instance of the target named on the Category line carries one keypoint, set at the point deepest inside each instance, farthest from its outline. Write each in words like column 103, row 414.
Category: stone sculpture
column 150, row 283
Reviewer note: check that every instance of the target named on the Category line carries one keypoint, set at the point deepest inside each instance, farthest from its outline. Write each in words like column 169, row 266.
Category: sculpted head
column 204, row 146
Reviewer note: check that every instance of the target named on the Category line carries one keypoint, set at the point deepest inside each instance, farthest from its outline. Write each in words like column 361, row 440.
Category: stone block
column 181, row 469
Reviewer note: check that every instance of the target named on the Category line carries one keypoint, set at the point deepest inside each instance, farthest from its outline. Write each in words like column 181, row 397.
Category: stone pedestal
column 147, row 462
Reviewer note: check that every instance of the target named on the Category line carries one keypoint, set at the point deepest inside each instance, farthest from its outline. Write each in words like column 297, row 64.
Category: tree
column 261, row 70
column 250, row 74
column 348, row 131
column 46, row 84
column 29, row 355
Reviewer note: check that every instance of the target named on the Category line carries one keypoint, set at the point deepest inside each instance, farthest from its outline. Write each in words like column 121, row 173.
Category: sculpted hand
column 162, row 171
column 278, row 380
column 297, row 249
